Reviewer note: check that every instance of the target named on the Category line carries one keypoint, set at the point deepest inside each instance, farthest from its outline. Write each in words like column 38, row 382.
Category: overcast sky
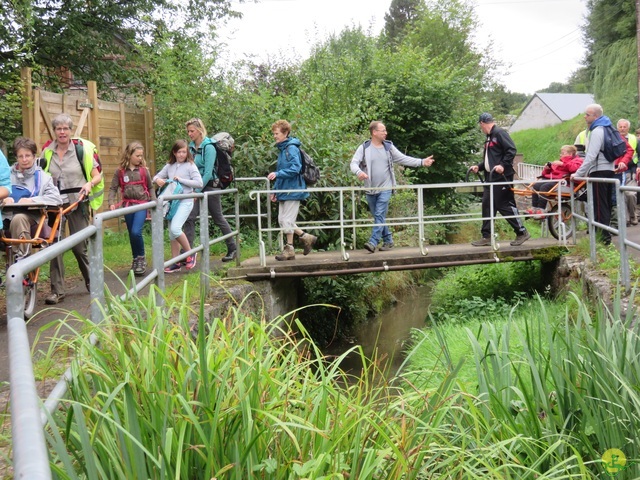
column 539, row 39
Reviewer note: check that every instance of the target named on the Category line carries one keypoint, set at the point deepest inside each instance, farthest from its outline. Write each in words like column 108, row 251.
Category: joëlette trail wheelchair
column 43, row 234
column 557, row 213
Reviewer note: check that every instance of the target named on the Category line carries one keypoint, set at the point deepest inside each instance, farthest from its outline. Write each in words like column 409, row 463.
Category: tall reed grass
column 247, row 399
column 570, row 383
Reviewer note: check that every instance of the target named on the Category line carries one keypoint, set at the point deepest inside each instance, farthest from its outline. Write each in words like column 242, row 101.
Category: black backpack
column 309, row 170
column 222, row 168
column 614, row 145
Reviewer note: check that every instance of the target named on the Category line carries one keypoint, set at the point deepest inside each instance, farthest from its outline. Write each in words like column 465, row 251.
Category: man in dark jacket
column 497, row 165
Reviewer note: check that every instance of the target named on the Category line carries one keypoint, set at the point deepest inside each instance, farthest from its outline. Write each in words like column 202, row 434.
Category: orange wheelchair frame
column 40, row 239
column 555, row 214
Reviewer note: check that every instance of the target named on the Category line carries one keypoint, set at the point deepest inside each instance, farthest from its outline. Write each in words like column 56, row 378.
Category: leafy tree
column 506, row 102
column 97, row 40
column 400, row 16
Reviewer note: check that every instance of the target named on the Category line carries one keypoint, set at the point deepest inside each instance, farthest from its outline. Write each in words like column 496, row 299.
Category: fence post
column 157, row 248
column 27, row 103
column 94, row 121
column 149, row 127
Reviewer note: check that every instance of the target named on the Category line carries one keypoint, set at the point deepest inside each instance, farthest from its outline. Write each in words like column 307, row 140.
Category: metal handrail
column 29, row 447
column 344, row 223
column 30, row 456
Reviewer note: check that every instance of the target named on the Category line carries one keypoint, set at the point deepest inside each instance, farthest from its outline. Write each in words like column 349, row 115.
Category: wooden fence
column 110, row 125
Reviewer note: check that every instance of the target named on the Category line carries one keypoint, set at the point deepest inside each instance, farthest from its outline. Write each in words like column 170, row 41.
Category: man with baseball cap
column 497, row 165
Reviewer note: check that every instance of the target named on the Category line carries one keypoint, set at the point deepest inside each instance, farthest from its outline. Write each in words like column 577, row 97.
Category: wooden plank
column 47, row 121
column 123, row 126
column 82, row 122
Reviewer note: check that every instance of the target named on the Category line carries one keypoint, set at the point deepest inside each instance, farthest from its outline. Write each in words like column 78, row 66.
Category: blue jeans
column 378, row 206
column 135, row 223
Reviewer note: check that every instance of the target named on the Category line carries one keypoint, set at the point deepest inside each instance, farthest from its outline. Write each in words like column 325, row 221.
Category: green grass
column 539, row 146
column 245, row 399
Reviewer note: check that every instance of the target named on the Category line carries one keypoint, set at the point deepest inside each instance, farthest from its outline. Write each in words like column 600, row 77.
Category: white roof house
column 547, row 109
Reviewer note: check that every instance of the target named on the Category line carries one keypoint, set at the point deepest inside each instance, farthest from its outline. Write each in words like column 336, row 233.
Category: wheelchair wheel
column 554, row 222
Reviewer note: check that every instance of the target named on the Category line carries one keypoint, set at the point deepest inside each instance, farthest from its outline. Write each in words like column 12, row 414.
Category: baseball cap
column 485, row 118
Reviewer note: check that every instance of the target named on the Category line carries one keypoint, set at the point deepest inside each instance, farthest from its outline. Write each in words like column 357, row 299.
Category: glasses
column 589, row 114
column 62, row 129
column 381, row 130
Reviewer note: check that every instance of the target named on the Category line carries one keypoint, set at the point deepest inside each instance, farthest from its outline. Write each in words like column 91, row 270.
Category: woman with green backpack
column 182, row 170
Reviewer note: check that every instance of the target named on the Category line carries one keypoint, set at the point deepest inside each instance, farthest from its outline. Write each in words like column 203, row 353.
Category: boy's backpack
column 614, row 145
column 170, row 207
column 309, row 170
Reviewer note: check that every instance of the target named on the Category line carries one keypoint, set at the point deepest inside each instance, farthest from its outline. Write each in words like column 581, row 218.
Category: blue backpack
column 170, row 207
column 614, row 145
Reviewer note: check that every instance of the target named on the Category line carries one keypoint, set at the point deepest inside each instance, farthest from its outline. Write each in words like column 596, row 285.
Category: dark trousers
column 503, row 202
column 77, row 220
column 214, row 205
column 602, row 194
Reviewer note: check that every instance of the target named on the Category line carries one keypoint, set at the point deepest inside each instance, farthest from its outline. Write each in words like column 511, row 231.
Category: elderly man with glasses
column 596, row 165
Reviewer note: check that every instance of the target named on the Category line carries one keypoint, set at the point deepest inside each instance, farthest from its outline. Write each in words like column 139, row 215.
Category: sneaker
column 181, row 263
column 370, row 247
column 172, row 268
column 54, row 298
column 140, row 266
column 539, row 214
column 288, row 253
column 231, row 255
column 308, row 241
column 190, row 262
column 483, row 242
column 520, row 239
column 386, row 246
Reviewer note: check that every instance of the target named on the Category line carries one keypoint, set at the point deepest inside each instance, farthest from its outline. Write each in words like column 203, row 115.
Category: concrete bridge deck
column 403, row 258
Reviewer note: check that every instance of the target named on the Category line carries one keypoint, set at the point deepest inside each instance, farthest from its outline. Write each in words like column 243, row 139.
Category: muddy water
column 385, row 336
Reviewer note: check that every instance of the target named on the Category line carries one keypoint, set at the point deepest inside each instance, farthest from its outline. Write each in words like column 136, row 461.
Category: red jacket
column 570, row 164
column 628, row 155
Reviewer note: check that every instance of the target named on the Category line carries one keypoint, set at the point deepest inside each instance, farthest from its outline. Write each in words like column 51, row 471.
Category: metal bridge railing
column 348, row 222
column 28, row 417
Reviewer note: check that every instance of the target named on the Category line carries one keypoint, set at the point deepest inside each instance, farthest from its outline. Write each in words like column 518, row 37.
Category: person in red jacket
column 569, row 163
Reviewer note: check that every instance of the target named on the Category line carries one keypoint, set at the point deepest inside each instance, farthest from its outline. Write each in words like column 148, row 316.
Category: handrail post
column 204, row 238
column 157, row 248
column 345, row 255
column 622, row 235
column 237, row 239
column 421, row 237
column 96, row 271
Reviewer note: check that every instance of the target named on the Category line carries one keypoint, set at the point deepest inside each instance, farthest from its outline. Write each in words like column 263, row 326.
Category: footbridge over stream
column 404, row 258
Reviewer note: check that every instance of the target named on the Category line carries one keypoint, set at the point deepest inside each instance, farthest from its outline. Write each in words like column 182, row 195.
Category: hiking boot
column 139, row 266
column 308, row 241
column 288, row 253
column 172, row 268
column 190, row 262
column 370, row 247
column 232, row 253
column 386, row 246
column 54, row 298
column 520, row 239
column 483, row 242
